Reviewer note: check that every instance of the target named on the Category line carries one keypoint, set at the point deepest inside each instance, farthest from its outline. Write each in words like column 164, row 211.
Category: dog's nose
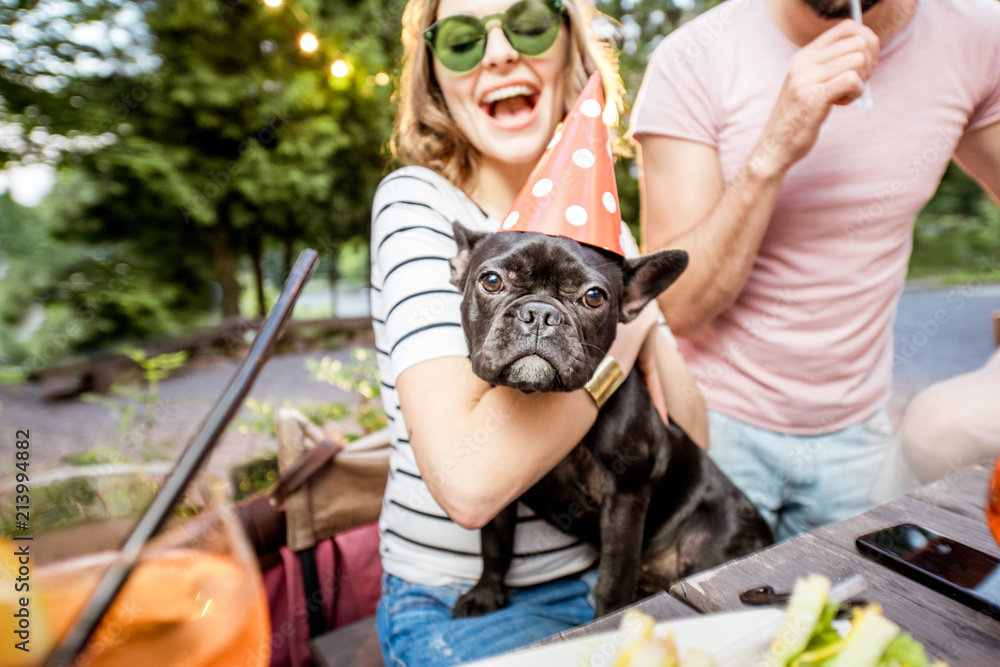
column 541, row 313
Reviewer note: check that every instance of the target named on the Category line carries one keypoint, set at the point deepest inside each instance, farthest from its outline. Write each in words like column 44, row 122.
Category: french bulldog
column 539, row 314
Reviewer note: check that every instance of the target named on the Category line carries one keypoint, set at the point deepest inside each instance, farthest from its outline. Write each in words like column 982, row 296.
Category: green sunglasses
column 459, row 41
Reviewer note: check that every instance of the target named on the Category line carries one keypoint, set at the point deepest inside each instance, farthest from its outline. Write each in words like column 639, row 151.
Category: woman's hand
column 630, row 337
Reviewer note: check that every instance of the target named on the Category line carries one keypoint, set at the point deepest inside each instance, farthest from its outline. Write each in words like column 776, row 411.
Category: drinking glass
column 993, row 502
column 196, row 598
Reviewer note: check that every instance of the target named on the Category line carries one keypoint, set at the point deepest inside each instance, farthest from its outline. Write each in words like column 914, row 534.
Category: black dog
column 540, row 312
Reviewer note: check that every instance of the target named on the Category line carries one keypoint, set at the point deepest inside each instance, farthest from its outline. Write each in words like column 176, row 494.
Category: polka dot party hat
column 572, row 190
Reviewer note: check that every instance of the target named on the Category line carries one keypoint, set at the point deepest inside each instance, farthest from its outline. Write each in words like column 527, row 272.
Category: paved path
column 62, row 427
column 939, row 333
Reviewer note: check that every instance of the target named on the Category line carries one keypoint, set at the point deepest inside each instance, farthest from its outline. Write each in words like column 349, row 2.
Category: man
column 797, row 208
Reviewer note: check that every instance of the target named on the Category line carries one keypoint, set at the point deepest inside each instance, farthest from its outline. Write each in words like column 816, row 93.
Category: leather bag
column 316, row 533
column 327, row 484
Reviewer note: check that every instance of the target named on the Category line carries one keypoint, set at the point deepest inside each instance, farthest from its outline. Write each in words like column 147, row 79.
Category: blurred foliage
column 82, row 499
column 261, row 417
column 254, row 476
column 96, row 455
column 957, row 235
column 93, row 495
column 200, row 138
column 138, row 407
column 58, row 298
column 353, row 261
column 359, row 376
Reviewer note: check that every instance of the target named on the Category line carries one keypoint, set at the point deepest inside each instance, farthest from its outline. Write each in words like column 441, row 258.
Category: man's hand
column 832, row 69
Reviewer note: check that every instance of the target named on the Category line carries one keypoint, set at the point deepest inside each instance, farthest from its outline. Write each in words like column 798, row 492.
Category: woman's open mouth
column 510, row 107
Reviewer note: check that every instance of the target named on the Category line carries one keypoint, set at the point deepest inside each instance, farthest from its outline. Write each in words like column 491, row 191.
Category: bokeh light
column 340, row 69
column 308, row 42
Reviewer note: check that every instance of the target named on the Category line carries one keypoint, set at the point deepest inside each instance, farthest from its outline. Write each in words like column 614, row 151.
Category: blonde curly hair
column 425, row 133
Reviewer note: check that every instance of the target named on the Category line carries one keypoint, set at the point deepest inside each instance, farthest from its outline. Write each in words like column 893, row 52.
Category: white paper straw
column 865, row 101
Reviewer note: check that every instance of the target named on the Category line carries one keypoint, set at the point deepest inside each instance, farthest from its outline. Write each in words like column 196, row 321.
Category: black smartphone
column 949, row 567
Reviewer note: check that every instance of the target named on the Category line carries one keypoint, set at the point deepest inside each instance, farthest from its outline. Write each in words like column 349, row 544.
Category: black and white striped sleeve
column 413, row 302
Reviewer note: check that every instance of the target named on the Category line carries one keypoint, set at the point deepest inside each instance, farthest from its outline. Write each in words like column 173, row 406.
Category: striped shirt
column 416, row 316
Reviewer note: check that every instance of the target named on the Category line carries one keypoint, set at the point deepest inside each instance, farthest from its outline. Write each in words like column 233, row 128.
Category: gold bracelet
column 606, row 379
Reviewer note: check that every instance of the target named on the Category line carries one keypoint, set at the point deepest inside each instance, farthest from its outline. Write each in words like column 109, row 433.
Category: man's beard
column 837, row 9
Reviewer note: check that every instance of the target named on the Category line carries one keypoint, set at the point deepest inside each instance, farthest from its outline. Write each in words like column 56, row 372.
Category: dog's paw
column 478, row 601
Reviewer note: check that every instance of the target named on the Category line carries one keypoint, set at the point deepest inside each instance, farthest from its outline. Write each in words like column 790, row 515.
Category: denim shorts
column 415, row 626
column 802, row 482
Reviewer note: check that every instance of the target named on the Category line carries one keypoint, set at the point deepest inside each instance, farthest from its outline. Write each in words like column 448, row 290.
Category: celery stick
column 804, row 609
column 870, row 634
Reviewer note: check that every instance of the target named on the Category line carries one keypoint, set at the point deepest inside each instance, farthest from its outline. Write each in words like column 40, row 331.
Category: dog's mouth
column 532, row 373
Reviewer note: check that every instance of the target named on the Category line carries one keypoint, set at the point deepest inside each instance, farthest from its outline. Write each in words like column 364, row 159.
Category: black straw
column 194, row 455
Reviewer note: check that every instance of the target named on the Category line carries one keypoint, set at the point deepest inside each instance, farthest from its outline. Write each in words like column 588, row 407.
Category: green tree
column 641, row 25
column 222, row 137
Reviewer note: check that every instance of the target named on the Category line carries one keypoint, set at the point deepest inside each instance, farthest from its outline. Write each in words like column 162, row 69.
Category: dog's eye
column 594, row 298
column 491, row 282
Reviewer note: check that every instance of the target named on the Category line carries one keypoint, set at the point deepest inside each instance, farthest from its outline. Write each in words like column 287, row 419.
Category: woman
column 484, row 84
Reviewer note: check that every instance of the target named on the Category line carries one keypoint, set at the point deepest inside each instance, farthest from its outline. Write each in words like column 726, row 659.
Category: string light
column 308, row 42
column 340, row 69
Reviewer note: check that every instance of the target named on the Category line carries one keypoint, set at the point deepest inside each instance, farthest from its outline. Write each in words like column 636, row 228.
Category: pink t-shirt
column 807, row 348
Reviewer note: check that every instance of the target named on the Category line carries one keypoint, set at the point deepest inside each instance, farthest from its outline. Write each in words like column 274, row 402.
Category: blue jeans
column 415, row 627
column 802, row 482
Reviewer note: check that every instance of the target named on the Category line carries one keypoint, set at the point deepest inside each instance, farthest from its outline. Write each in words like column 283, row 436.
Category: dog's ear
column 466, row 240
column 646, row 277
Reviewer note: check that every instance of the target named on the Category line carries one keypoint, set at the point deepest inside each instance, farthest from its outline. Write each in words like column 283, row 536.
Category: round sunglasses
column 459, row 41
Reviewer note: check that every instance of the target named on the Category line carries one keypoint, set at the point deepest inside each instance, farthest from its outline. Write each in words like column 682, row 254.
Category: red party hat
column 572, row 191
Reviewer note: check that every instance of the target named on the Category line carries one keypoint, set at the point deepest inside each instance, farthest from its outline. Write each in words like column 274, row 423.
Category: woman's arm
column 664, row 369
column 479, row 447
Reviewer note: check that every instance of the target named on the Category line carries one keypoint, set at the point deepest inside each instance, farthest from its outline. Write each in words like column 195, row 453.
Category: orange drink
column 195, row 599
column 182, row 608
column 188, row 608
column 993, row 503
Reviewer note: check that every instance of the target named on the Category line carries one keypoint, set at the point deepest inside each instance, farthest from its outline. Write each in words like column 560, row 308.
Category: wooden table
column 951, row 631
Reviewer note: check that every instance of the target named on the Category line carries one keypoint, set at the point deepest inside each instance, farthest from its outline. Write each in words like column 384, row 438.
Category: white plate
column 706, row 633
